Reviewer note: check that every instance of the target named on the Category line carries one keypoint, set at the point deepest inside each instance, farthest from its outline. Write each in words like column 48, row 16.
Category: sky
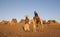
column 46, row 9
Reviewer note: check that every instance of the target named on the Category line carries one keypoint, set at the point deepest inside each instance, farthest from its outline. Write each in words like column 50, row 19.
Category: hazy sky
column 47, row 9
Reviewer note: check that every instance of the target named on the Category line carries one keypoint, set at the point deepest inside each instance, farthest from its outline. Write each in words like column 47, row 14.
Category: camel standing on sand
column 36, row 22
column 26, row 26
column 32, row 25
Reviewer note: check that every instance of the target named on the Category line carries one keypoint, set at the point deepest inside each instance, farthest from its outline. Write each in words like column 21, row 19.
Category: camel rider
column 26, row 27
column 26, row 20
column 37, row 19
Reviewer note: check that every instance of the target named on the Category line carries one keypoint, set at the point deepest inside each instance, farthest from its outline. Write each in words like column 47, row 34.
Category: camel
column 32, row 25
column 26, row 27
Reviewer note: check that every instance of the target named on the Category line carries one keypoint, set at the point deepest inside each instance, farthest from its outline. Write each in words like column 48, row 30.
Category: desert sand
column 15, row 30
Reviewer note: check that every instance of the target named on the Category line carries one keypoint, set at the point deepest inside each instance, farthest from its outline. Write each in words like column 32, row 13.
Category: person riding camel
column 26, row 20
column 36, row 17
column 26, row 26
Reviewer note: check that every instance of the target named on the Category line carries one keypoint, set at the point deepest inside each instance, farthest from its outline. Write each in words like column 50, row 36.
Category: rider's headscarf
column 35, row 13
column 26, row 16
